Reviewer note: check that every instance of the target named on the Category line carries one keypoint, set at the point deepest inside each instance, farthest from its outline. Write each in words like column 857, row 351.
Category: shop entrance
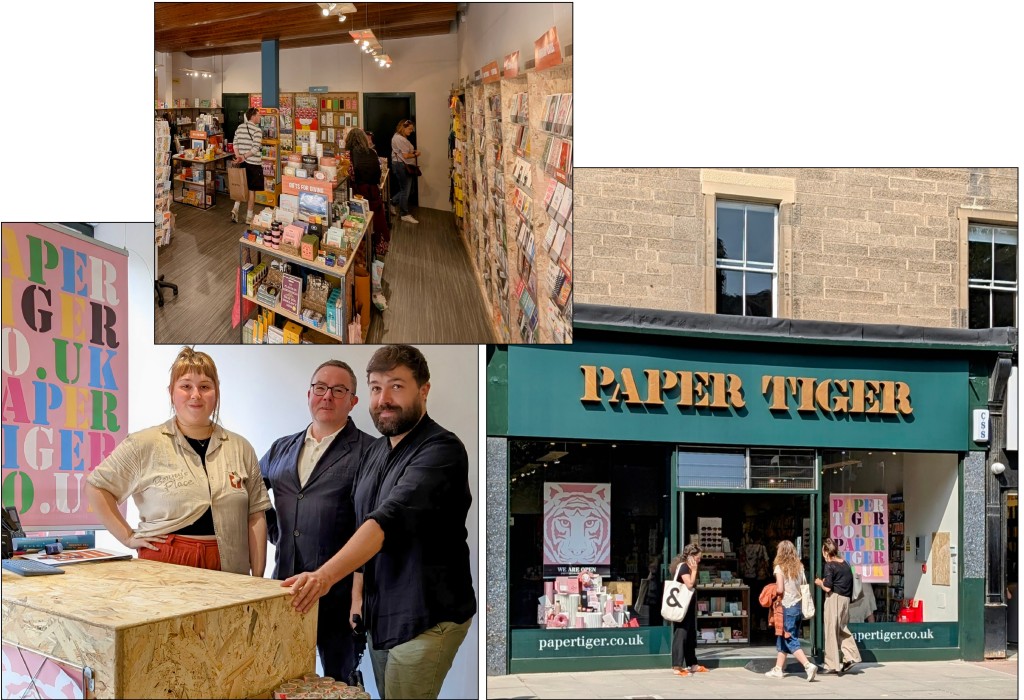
column 738, row 533
column 1012, row 562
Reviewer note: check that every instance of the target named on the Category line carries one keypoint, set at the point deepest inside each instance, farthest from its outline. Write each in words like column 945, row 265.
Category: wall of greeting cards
column 512, row 177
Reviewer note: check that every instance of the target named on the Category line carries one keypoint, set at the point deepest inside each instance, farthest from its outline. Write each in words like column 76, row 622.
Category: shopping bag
column 238, row 187
column 858, row 587
column 355, row 330
column 806, row 598
column 675, row 599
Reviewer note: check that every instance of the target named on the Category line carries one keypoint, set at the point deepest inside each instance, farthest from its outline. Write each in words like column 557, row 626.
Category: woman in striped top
column 248, row 139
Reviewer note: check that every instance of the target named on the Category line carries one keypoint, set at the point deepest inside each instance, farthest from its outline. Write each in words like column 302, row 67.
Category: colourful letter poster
column 859, row 524
column 577, row 528
column 65, row 370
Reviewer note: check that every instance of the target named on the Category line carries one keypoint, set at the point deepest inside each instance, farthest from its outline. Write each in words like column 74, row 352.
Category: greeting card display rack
column 893, row 599
column 270, row 157
column 513, row 168
column 162, row 218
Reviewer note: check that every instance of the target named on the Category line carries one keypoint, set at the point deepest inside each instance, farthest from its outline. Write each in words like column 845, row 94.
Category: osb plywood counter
column 155, row 630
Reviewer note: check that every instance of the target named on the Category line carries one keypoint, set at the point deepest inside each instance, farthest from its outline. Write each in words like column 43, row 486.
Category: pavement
column 904, row 679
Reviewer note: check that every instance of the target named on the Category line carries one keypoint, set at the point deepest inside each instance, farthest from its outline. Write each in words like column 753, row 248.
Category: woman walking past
column 789, row 574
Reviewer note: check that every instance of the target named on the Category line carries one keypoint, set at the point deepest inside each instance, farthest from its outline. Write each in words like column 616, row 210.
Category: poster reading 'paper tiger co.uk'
column 65, row 369
column 577, row 528
column 859, row 524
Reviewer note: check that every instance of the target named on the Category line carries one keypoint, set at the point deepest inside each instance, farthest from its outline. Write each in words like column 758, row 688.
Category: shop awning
column 752, row 328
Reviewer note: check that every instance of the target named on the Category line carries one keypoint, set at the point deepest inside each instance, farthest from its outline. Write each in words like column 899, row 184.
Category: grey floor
column 428, row 280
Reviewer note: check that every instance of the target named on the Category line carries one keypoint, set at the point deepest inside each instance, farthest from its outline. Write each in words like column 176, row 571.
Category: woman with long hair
column 838, row 587
column 366, row 182
column 789, row 574
column 248, row 145
column 684, row 633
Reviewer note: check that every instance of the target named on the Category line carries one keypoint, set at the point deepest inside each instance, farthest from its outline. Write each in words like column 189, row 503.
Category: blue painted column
column 270, row 89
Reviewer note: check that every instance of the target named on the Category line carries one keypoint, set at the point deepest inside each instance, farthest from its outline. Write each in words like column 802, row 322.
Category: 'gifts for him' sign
column 859, row 524
column 65, row 369
column 577, row 528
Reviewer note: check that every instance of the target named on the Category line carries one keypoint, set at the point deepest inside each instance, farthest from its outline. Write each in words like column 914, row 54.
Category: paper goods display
column 77, row 556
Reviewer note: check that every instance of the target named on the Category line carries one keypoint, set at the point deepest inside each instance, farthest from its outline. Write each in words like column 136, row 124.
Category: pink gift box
column 567, row 584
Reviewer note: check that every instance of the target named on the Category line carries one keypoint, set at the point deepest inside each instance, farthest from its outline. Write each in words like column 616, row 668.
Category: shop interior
column 494, row 143
column 923, row 527
column 738, row 534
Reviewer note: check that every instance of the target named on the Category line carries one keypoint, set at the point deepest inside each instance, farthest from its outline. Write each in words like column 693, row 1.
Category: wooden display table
column 153, row 630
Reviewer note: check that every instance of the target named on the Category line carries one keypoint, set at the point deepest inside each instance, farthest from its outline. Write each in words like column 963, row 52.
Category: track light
column 341, row 18
column 325, row 12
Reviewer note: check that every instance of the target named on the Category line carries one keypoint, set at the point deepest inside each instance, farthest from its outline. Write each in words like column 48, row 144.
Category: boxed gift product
column 292, row 333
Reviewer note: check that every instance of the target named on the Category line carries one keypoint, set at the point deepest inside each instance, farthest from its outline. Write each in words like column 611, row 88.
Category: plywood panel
column 236, row 652
column 150, row 629
column 940, row 559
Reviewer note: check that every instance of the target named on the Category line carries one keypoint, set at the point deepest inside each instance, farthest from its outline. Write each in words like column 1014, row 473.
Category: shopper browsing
column 197, row 486
column 411, row 499
column 789, row 574
column 366, row 182
column 311, row 474
column 403, row 153
column 248, row 150
column 838, row 587
column 684, row 633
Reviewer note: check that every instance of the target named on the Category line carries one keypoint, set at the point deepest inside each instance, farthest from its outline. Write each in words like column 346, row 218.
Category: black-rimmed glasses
column 338, row 391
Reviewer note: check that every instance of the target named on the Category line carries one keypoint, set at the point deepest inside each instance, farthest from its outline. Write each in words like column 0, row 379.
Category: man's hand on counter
column 307, row 587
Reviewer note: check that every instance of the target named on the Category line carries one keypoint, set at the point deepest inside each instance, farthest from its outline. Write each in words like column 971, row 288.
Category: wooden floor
column 428, row 280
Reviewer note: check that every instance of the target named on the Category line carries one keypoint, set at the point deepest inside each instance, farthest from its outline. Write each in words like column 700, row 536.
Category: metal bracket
column 89, row 679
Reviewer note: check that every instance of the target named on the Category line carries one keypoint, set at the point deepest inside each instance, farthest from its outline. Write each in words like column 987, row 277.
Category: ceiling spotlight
column 355, row 41
column 341, row 18
column 365, row 44
column 325, row 12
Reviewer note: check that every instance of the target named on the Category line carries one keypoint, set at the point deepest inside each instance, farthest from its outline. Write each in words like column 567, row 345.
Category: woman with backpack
column 838, row 587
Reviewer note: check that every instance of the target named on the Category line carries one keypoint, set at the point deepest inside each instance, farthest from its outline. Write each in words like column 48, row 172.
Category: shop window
column 745, row 263
column 629, row 520
column 992, row 276
column 756, row 468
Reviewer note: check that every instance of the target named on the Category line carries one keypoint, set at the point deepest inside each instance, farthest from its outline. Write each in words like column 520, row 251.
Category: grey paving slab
column 924, row 679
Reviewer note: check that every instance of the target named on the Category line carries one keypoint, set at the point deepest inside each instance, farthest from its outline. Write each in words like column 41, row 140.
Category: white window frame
column 744, row 265
column 990, row 284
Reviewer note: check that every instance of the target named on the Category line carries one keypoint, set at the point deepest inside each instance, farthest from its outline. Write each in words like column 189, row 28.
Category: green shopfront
column 732, row 434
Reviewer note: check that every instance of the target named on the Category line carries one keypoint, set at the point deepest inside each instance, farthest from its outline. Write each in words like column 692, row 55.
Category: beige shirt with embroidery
column 164, row 475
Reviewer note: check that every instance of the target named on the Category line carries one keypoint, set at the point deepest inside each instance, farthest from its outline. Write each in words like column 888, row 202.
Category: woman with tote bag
column 789, row 576
column 684, row 633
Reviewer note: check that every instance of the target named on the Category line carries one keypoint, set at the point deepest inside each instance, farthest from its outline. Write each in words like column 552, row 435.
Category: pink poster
column 27, row 674
column 859, row 524
column 65, row 369
column 577, row 528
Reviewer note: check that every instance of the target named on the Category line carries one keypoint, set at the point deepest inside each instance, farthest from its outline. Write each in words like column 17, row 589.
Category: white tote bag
column 675, row 599
column 806, row 598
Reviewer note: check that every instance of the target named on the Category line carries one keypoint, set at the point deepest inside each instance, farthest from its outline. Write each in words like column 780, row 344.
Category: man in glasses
column 412, row 498
column 311, row 475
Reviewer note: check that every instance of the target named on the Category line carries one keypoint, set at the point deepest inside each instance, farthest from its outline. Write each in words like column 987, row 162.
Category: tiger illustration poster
column 577, row 528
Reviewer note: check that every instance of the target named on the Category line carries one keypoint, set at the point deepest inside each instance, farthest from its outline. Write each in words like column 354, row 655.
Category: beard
column 401, row 422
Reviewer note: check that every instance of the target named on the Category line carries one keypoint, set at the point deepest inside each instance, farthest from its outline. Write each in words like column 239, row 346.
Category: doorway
column 1012, row 563
column 382, row 111
column 235, row 105
column 738, row 533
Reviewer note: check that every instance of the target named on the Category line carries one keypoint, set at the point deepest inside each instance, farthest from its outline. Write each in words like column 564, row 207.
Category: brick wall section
column 870, row 245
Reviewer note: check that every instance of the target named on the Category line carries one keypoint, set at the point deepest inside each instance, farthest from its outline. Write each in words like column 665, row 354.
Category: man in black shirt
column 411, row 500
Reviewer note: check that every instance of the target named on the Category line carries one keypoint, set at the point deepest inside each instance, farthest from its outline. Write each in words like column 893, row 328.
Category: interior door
column 382, row 111
column 235, row 105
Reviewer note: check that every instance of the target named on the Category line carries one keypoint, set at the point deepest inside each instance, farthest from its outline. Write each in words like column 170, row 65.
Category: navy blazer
column 318, row 519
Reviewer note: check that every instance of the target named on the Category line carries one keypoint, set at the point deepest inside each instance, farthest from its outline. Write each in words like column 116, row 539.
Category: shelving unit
column 271, row 158
column 193, row 181
column 718, row 599
column 338, row 112
column 185, row 119
column 344, row 276
column 508, row 166
column 894, row 592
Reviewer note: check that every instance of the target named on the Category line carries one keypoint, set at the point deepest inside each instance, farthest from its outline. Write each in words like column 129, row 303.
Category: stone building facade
column 863, row 245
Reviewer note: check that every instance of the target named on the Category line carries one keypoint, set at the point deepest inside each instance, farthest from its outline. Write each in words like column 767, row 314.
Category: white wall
column 491, row 31
column 263, row 392
column 426, row 66
column 931, row 503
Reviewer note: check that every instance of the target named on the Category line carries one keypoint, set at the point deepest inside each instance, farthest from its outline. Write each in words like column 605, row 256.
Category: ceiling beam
column 214, row 27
